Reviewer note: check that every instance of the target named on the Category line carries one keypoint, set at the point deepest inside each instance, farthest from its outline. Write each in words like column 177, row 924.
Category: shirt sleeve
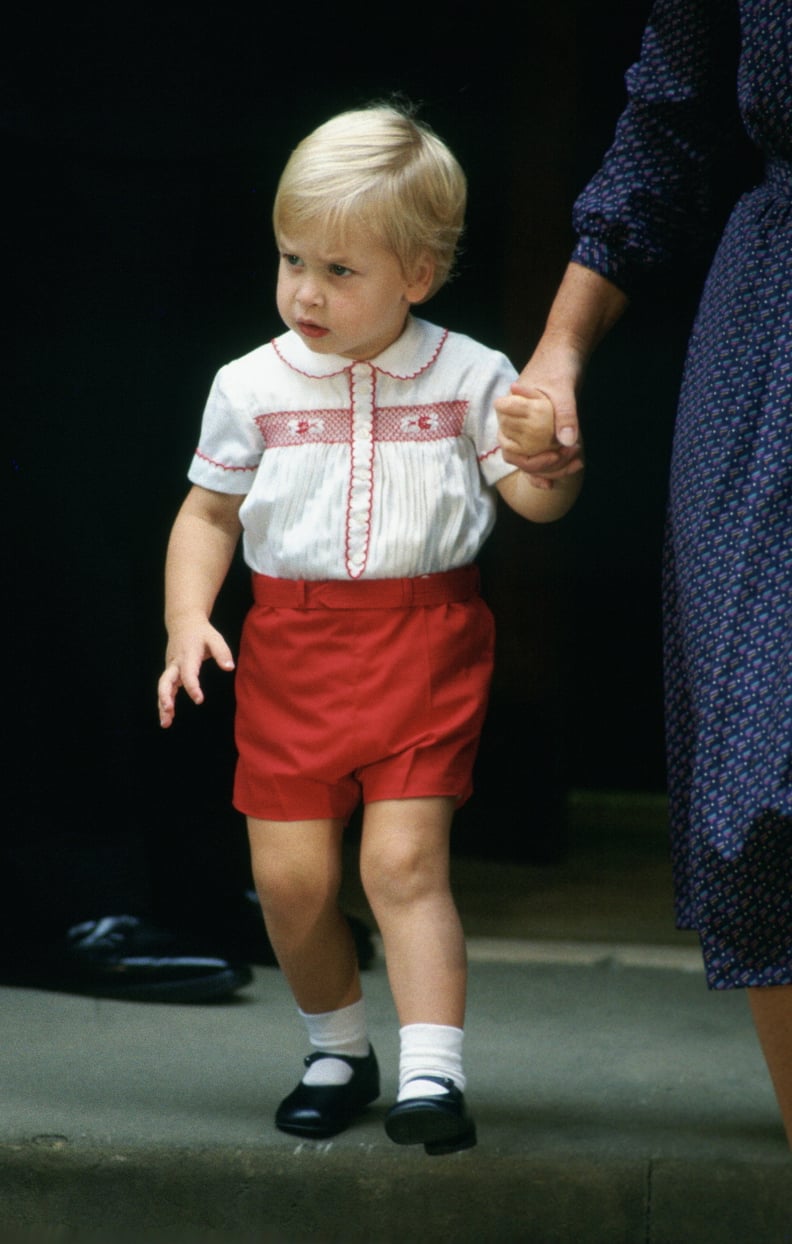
column 230, row 445
column 651, row 199
column 497, row 375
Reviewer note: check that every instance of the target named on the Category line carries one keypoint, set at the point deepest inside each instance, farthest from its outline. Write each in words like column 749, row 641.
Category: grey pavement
column 617, row 1099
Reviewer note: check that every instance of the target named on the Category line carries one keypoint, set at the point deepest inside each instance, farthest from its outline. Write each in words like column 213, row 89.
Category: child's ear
column 421, row 278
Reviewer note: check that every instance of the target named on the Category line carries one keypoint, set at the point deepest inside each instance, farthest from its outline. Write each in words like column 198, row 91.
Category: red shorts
column 372, row 689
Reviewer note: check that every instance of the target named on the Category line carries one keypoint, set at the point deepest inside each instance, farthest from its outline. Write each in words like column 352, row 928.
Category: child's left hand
column 527, row 423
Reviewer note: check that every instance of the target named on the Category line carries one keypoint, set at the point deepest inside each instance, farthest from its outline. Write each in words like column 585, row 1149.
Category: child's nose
column 309, row 292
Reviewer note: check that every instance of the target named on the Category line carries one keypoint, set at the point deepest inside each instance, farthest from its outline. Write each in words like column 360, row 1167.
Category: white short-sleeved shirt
column 379, row 469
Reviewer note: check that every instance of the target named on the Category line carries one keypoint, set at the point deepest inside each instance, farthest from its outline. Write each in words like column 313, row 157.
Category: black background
column 141, row 152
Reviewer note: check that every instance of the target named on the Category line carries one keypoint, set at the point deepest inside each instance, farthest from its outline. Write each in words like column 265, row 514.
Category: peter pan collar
column 413, row 352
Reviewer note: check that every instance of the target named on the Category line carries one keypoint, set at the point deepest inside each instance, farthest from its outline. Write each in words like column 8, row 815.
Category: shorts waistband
column 432, row 589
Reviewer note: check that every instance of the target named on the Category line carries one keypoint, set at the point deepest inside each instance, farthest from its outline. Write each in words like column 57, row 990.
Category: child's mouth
column 311, row 330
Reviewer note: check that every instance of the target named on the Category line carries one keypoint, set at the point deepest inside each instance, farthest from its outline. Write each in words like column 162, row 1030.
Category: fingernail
column 567, row 436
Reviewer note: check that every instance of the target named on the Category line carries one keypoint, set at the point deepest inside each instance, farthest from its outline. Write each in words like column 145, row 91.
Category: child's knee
column 284, row 887
column 295, row 866
column 400, row 874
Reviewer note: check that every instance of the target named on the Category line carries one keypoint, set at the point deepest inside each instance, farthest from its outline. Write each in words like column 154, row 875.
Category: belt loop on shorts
column 408, row 591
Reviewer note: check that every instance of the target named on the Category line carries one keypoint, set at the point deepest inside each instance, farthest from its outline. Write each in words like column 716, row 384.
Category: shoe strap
column 442, row 1080
column 351, row 1060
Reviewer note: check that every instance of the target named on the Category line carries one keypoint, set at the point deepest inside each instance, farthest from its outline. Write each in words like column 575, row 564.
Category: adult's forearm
column 584, row 310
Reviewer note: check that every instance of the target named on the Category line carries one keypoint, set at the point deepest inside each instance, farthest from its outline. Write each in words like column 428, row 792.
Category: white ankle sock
column 336, row 1032
column 429, row 1050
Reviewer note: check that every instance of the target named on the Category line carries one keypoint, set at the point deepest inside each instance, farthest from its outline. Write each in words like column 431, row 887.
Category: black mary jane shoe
column 440, row 1123
column 319, row 1110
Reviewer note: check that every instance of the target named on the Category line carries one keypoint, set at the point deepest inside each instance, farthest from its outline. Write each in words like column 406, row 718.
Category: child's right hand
column 190, row 644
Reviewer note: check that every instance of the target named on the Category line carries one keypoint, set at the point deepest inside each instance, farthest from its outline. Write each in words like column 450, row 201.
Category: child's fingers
column 540, row 401
column 183, row 671
column 180, row 672
column 563, row 404
column 219, row 649
column 526, row 424
column 544, row 466
column 167, row 687
column 188, row 676
column 538, row 409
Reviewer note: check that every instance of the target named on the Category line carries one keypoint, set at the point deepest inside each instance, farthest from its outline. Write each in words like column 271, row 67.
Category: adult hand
column 585, row 308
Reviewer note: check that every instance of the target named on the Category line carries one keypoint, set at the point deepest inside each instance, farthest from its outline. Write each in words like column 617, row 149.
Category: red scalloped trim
column 352, row 571
column 223, row 465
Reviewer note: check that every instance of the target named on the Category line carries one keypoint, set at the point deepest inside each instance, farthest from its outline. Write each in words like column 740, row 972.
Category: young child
column 358, row 456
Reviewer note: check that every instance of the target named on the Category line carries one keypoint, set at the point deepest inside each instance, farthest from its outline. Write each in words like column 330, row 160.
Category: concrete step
column 615, row 1101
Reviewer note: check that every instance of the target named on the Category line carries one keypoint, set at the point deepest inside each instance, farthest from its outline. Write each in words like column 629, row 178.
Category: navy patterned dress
column 728, row 571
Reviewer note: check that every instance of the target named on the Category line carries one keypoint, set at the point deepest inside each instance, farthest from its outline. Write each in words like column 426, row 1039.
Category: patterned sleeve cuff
column 614, row 266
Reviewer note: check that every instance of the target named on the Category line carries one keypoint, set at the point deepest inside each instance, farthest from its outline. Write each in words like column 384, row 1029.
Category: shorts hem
column 345, row 814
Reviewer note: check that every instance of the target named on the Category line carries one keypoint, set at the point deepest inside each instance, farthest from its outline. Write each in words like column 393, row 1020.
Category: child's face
column 349, row 298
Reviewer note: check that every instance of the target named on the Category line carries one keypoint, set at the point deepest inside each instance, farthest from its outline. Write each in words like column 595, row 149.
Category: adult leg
column 772, row 1014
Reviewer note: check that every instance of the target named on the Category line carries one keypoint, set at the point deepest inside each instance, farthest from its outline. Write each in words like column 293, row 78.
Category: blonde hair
column 378, row 169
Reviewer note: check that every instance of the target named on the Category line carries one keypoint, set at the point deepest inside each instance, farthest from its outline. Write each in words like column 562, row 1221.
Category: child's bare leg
column 772, row 1013
column 404, row 867
column 297, row 871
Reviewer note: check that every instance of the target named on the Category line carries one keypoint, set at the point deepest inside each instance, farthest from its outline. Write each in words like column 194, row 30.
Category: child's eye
column 291, row 260
column 338, row 269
